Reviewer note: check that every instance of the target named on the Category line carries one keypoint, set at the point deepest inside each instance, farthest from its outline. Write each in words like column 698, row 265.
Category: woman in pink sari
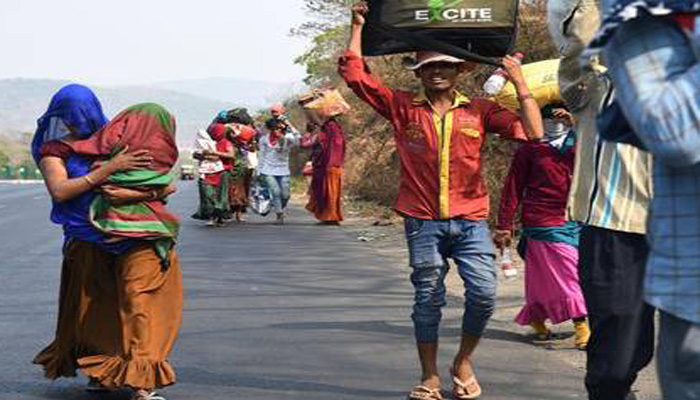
column 539, row 180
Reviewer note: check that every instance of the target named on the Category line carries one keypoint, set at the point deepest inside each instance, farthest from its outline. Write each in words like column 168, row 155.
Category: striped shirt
column 612, row 185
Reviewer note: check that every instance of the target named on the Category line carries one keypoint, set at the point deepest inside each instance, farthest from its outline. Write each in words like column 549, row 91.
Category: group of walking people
column 583, row 178
column 234, row 155
column 589, row 168
column 121, row 296
column 226, row 153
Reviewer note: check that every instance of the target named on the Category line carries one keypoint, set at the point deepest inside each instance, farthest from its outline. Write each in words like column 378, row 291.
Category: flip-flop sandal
column 468, row 390
column 421, row 392
column 143, row 395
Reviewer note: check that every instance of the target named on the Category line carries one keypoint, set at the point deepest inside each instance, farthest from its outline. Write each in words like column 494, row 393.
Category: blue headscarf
column 73, row 109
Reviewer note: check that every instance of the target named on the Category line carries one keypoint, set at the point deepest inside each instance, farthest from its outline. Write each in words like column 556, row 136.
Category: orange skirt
column 239, row 192
column 119, row 317
column 334, row 191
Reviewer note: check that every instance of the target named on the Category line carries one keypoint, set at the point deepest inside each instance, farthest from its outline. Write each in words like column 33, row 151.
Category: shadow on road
column 239, row 380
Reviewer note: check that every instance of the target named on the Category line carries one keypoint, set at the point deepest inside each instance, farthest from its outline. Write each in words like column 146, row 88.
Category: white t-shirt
column 274, row 160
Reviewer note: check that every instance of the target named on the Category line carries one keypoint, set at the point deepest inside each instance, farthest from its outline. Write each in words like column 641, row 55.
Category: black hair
column 548, row 110
column 272, row 124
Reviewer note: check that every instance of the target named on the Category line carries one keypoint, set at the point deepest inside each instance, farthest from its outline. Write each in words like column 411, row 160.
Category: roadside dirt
column 384, row 234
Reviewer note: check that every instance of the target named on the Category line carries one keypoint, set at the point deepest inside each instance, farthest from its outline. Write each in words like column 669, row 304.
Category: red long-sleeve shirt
column 539, row 179
column 440, row 157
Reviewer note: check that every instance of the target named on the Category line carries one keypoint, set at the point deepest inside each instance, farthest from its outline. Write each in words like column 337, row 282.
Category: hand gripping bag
column 476, row 30
column 542, row 78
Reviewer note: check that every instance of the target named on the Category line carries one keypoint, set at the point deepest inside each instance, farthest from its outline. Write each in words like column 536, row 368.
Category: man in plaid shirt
column 652, row 49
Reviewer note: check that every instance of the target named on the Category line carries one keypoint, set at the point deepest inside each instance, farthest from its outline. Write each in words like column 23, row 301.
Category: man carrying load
column 439, row 134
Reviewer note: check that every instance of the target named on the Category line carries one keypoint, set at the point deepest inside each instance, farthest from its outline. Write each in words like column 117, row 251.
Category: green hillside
column 22, row 101
column 15, row 158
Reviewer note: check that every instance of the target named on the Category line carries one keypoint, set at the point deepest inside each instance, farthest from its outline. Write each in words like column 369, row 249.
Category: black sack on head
column 479, row 30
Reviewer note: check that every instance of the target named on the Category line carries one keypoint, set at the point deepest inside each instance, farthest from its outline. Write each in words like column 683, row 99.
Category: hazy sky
column 141, row 41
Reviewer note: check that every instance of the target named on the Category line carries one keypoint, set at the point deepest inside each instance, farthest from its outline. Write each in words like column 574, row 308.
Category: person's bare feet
column 465, row 385
column 463, row 370
column 432, row 381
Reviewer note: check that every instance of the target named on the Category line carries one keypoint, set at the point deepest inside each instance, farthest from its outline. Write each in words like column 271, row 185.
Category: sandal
column 421, row 392
column 146, row 395
column 468, row 390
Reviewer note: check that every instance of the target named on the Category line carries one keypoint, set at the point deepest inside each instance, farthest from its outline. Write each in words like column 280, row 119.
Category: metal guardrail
column 20, row 181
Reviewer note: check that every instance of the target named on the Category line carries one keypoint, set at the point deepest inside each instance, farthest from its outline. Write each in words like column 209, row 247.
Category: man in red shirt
column 439, row 134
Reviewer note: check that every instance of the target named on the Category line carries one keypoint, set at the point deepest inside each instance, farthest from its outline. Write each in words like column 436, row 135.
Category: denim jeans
column 679, row 358
column 430, row 244
column 279, row 190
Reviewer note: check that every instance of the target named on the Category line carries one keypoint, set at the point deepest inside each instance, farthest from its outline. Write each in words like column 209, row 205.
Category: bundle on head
column 239, row 116
column 328, row 103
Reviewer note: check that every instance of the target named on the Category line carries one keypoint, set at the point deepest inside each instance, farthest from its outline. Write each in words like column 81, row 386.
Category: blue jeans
column 279, row 190
column 678, row 358
column 468, row 243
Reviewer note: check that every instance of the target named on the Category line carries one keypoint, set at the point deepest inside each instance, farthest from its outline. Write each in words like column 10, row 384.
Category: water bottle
column 507, row 267
column 497, row 81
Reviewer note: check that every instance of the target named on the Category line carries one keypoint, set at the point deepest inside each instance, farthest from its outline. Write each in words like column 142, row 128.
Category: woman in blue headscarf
column 86, row 324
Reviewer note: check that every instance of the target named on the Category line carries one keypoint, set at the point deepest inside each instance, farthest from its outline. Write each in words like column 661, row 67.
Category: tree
column 371, row 170
column 4, row 159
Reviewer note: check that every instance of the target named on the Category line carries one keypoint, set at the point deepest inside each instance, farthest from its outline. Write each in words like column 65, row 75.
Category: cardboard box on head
column 327, row 103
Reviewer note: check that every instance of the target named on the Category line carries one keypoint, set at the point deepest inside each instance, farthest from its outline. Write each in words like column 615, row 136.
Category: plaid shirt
column 655, row 68
column 617, row 12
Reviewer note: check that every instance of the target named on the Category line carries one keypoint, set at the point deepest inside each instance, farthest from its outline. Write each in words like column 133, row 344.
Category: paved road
column 292, row 312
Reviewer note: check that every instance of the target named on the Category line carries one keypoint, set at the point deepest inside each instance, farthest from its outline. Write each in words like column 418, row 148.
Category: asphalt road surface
column 272, row 312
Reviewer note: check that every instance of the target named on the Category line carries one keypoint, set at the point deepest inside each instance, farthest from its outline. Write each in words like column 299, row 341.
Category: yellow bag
column 542, row 78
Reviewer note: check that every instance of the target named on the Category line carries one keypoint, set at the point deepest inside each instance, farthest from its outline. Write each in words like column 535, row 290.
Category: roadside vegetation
column 15, row 160
column 372, row 162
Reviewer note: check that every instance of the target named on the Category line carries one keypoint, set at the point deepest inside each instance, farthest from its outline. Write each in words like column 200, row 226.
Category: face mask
column 554, row 129
column 57, row 130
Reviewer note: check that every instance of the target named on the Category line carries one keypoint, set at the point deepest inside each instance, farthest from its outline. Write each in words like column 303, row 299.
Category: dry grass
column 372, row 171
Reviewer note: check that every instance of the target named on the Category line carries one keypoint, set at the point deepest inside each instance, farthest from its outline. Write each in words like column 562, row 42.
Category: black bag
column 476, row 30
